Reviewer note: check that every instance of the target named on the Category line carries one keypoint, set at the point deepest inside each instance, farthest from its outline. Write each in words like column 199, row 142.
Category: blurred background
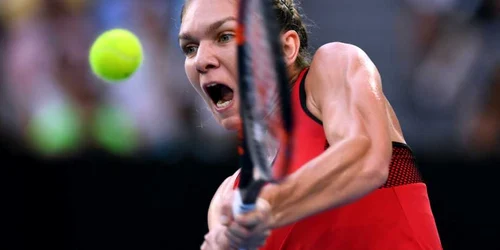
column 89, row 165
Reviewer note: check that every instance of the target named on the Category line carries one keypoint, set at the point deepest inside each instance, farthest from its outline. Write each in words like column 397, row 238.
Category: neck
column 294, row 73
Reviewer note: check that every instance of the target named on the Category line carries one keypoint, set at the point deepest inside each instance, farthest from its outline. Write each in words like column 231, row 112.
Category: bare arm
column 215, row 208
column 344, row 91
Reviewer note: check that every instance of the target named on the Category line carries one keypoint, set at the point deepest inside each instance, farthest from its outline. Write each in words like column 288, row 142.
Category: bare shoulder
column 335, row 63
column 337, row 69
column 223, row 192
column 226, row 186
column 340, row 57
column 335, row 49
column 229, row 182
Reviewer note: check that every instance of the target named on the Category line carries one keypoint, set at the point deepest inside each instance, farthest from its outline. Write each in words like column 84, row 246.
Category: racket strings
column 262, row 108
column 264, row 73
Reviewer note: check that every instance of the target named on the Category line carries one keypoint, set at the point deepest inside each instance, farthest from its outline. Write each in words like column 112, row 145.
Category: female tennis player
column 353, row 182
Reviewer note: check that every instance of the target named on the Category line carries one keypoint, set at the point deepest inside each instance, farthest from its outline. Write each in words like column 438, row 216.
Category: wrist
column 268, row 202
column 219, row 232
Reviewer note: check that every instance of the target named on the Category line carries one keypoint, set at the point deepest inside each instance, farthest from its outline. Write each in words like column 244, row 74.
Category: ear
column 291, row 46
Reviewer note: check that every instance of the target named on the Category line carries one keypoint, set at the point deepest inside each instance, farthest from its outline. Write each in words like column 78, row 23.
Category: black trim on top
column 404, row 145
column 396, row 144
column 303, row 97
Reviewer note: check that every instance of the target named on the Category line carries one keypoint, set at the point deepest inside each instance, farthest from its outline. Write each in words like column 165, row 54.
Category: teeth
column 223, row 104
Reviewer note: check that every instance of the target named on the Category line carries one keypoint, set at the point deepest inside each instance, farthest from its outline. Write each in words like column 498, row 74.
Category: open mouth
column 221, row 95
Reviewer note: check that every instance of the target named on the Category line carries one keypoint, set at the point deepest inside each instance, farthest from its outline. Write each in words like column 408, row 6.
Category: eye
column 190, row 50
column 225, row 38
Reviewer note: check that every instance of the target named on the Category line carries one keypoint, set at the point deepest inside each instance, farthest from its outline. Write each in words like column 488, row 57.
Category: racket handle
column 239, row 207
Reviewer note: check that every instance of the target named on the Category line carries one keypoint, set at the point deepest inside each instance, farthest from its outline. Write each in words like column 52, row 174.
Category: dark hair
column 289, row 18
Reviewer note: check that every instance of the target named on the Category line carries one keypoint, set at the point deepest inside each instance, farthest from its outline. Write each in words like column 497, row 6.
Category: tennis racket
column 265, row 108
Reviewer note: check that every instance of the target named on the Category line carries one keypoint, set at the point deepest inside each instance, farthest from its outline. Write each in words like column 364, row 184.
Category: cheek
column 232, row 56
column 229, row 59
column 192, row 75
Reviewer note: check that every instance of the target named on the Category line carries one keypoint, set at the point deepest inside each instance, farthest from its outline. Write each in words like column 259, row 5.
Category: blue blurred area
column 437, row 60
column 45, row 49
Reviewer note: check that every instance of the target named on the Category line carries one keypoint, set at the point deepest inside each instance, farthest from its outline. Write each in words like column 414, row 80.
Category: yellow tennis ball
column 115, row 55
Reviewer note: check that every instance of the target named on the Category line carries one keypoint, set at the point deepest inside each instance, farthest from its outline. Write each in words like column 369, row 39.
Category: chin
column 231, row 123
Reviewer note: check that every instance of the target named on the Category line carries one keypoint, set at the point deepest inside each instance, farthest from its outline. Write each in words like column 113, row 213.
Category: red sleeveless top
column 395, row 216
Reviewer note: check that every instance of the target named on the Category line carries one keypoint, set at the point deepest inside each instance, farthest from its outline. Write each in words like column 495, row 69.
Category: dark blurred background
column 89, row 165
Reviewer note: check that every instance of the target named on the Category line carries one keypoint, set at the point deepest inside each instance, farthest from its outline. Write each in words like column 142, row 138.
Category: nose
column 206, row 58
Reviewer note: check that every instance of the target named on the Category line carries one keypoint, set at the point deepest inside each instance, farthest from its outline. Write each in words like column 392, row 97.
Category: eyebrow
column 211, row 28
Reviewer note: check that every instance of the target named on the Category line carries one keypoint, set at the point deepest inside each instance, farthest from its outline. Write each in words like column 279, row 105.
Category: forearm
column 338, row 176
column 214, row 210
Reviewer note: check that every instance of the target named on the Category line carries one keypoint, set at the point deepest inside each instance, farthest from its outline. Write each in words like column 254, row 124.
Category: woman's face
column 207, row 37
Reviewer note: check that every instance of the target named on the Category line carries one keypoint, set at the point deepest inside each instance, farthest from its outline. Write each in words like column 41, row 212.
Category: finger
column 257, row 216
column 249, row 220
column 238, row 236
column 247, row 242
column 238, row 232
column 244, row 232
column 256, row 241
column 259, row 240
column 253, row 245
column 234, row 243
column 263, row 235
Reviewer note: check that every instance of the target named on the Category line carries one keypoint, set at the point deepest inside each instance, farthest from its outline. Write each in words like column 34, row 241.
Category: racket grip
column 239, row 207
